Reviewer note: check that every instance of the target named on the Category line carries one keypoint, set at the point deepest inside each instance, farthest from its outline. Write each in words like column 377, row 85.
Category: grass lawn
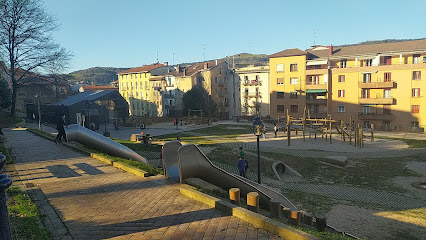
column 25, row 219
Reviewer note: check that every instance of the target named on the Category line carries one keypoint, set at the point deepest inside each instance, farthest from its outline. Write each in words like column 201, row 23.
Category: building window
column 313, row 80
column 293, row 94
column 416, row 58
column 215, row 79
column 366, row 110
column 367, row 77
column 280, row 94
column 280, row 67
column 343, row 63
column 341, row 109
column 386, row 109
column 293, row 67
column 294, row 108
column 417, row 75
column 368, row 62
column 387, row 77
column 365, row 93
column 415, row 92
column 386, row 93
column 280, row 108
column 415, row 108
column 341, row 78
column 387, row 60
column 340, row 93
column 280, row 81
column 414, row 125
column 294, row 81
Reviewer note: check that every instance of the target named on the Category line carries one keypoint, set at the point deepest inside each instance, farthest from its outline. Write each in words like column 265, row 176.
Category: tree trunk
column 13, row 107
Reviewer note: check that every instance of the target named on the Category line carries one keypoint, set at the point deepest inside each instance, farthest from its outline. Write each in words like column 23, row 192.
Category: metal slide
column 170, row 161
column 95, row 140
column 194, row 164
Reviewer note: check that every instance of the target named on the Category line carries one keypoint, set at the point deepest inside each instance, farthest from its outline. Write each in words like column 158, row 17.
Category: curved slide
column 192, row 163
column 170, row 161
column 93, row 139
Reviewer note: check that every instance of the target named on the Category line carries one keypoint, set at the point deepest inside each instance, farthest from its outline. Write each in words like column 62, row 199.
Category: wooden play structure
column 324, row 126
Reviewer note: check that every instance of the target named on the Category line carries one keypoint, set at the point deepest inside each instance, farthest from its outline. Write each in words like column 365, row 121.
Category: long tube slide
column 170, row 161
column 95, row 140
column 194, row 164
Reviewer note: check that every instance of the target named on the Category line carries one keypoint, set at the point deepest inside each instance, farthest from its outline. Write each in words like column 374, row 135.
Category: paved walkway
column 86, row 199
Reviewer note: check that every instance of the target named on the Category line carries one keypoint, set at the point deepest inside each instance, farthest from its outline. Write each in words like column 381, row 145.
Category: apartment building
column 254, row 90
column 376, row 84
column 142, row 88
column 212, row 75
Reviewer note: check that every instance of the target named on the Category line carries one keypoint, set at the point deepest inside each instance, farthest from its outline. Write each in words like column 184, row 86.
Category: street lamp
column 257, row 130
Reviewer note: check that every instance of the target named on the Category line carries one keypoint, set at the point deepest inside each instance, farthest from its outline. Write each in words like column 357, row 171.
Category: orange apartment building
column 378, row 84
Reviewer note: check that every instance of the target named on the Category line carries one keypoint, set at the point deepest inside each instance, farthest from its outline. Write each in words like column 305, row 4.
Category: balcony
column 377, row 84
column 255, row 95
column 316, row 101
column 380, row 101
column 382, row 117
column 311, row 85
column 252, row 82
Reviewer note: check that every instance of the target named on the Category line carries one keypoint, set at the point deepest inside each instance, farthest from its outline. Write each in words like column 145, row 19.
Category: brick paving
column 83, row 198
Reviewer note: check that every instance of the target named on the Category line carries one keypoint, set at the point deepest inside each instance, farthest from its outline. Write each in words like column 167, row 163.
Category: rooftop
column 143, row 69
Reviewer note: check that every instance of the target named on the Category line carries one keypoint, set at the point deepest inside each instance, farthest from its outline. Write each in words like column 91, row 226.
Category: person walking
column 242, row 166
column 242, row 153
column 178, row 137
column 60, row 126
column 275, row 130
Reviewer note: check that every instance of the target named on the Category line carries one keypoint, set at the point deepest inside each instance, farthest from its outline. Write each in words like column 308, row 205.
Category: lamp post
column 257, row 127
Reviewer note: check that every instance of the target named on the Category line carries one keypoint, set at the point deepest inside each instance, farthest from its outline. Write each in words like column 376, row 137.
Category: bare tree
column 26, row 43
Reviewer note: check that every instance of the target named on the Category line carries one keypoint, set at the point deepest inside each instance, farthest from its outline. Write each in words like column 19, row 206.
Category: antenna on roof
column 173, row 58
column 157, row 57
column 315, row 35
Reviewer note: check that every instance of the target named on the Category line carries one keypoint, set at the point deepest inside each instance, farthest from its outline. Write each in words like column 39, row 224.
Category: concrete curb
column 135, row 171
column 270, row 225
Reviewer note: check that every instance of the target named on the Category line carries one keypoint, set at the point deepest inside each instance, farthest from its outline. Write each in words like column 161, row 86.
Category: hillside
column 95, row 75
column 245, row 59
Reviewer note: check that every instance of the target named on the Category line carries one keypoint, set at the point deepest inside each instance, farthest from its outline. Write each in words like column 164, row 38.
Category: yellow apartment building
column 254, row 90
column 213, row 75
column 378, row 84
column 142, row 87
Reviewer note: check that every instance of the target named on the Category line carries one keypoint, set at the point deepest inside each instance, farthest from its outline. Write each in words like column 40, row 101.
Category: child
column 242, row 166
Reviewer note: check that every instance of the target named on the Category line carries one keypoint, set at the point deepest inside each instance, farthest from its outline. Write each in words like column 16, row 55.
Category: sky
column 131, row 33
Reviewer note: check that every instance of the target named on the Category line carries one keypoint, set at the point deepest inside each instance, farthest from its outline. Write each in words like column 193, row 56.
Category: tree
column 198, row 98
column 26, row 43
column 5, row 95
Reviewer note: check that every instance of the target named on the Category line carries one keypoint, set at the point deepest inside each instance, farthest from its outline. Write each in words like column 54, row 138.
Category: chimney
column 206, row 65
column 178, row 68
column 184, row 72
column 330, row 49
column 216, row 61
column 166, row 64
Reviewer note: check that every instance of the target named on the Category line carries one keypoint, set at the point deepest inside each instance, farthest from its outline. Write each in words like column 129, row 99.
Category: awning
column 320, row 62
column 316, row 90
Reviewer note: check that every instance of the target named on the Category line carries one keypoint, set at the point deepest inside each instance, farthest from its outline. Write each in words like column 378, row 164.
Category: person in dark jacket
column 242, row 166
column 60, row 126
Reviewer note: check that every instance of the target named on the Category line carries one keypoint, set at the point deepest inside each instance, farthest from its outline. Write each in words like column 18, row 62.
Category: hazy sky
column 129, row 33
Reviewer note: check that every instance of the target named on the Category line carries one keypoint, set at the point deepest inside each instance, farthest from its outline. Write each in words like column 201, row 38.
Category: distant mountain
column 245, row 59
column 95, row 75
column 380, row 41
